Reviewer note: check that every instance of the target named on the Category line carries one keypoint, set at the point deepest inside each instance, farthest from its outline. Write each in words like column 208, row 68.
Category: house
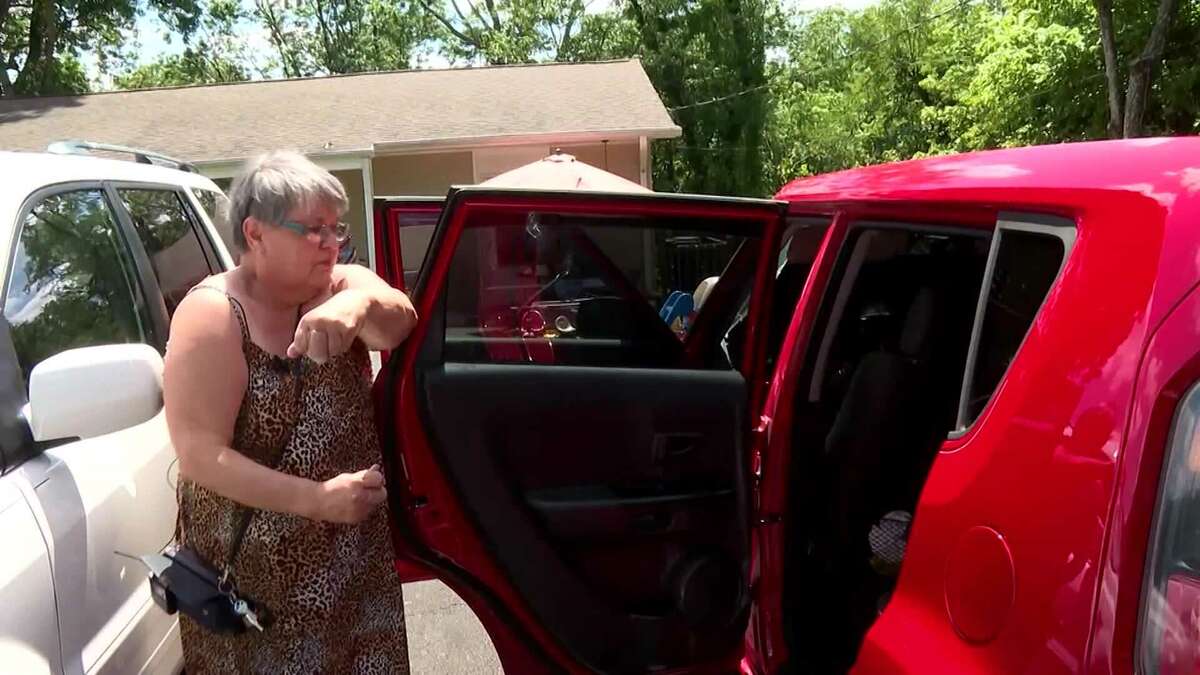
column 413, row 132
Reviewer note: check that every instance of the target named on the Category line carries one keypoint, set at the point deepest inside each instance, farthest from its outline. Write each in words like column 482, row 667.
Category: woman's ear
column 252, row 230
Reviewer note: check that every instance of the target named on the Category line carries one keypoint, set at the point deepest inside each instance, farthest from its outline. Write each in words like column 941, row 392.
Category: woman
column 267, row 399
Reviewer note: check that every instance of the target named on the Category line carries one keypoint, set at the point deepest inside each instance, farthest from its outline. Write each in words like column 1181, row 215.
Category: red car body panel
column 1029, row 542
column 1041, row 466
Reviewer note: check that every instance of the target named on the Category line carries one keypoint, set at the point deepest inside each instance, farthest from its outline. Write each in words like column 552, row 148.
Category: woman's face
column 296, row 258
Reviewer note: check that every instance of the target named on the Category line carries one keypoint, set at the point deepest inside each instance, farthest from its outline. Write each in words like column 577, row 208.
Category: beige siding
column 430, row 174
column 622, row 158
column 355, row 216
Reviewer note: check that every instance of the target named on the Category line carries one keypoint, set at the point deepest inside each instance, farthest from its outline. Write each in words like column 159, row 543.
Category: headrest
column 918, row 323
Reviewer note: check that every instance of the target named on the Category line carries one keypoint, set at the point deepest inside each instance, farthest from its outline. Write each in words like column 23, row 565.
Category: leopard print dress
column 332, row 590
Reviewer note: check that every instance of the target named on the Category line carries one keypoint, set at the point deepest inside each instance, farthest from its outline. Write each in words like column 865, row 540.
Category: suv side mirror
column 92, row 391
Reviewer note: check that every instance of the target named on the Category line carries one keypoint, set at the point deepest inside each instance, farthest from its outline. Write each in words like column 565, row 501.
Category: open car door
column 403, row 229
column 567, row 431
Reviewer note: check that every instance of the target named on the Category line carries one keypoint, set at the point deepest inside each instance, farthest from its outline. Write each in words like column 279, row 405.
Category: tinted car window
column 71, row 283
column 214, row 205
column 552, row 289
column 170, row 240
column 1026, row 265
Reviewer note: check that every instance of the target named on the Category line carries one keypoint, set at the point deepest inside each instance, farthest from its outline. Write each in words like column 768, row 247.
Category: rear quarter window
column 1025, row 262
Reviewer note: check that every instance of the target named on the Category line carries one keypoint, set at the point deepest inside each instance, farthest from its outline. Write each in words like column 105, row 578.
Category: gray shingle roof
column 349, row 112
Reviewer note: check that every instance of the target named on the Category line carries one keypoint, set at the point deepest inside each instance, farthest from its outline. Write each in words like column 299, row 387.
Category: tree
column 213, row 53
column 603, row 36
column 361, row 35
column 41, row 40
column 707, row 59
column 288, row 34
column 507, row 31
column 342, row 36
column 190, row 67
column 1128, row 120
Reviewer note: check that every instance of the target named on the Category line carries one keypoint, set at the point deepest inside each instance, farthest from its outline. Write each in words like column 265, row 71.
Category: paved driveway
column 443, row 634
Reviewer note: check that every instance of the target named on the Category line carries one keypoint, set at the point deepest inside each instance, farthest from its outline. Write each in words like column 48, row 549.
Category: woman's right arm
column 203, row 384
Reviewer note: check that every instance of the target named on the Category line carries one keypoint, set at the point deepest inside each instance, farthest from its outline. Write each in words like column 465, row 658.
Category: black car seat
column 884, row 422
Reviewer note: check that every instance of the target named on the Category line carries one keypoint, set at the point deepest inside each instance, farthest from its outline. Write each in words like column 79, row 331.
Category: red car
column 934, row 416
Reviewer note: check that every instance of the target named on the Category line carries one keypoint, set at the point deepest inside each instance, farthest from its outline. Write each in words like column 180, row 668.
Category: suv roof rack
column 141, row 156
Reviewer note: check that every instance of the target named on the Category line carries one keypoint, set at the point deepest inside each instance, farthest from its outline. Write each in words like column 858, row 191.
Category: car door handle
column 669, row 447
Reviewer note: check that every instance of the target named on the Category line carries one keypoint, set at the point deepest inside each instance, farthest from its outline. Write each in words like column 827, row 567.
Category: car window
column 170, row 240
column 416, row 231
column 569, row 290
column 71, row 283
column 1025, row 265
column 214, row 204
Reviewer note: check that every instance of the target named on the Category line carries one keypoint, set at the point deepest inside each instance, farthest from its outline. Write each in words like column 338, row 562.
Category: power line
column 961, row 5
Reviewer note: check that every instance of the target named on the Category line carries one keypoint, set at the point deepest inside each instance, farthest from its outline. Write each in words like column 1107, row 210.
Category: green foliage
column 315, row 37
column 906, row 78
column 506, row 31
column 190, row 67
column 698, row 52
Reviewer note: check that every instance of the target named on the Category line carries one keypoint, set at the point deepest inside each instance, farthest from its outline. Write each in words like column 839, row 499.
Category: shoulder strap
column 238, row 310
column 246, row 513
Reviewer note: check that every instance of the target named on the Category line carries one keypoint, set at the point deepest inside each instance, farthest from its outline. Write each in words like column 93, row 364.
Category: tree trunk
column 1108, row 41
column 1141, row 71
column 43, row 35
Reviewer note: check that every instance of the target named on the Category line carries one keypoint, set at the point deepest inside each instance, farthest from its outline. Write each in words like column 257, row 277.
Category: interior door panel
column 611, row 496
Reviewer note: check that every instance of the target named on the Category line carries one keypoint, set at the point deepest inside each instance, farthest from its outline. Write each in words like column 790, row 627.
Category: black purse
column 190, row 585
column 183, row 581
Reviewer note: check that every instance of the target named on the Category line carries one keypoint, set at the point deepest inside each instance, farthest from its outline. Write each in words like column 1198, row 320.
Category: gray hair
column 275, row 183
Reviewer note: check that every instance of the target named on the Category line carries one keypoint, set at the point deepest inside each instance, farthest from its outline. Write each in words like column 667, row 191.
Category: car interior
column 877, row 395
column 617, row 505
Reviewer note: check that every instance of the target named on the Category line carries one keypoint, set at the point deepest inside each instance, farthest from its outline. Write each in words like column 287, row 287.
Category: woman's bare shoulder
column 206, row 313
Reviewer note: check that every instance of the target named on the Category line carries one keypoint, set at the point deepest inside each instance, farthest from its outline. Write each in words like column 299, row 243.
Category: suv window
column 170, row 240
column 72, row 282
column 1026, row 261
column 214, row 205
column 575, row 290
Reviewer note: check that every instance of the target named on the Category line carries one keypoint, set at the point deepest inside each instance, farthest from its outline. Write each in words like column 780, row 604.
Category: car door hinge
column 759, row 435
column 764, row 425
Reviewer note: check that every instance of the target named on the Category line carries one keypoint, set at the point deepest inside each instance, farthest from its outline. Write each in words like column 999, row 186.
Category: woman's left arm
column 361, row 306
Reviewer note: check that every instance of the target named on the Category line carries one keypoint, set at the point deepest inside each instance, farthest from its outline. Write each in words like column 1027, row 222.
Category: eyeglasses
column 339, row 232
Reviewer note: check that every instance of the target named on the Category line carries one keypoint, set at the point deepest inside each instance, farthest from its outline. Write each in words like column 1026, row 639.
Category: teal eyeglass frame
column 339, row 232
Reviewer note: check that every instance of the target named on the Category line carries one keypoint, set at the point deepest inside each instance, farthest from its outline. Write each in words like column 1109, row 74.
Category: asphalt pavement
column 443, row 634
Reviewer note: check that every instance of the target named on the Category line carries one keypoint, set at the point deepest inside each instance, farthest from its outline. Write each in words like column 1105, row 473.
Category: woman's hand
column 330, row 328
column 350, row 497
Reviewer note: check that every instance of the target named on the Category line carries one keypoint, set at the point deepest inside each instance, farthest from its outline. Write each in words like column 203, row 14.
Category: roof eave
column 423, row 145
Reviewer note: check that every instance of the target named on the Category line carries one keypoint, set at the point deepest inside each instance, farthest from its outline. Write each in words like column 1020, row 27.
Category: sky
column 151, row 35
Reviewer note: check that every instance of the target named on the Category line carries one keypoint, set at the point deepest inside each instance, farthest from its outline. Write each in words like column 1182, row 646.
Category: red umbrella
column 561, row 171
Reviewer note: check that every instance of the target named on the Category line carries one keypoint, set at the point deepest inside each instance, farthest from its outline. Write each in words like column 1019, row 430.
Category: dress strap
column 238, row 310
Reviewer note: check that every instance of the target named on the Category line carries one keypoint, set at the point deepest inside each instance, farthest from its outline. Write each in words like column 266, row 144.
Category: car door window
column 215, row 204
column 72, row 282
column 170, row 240
column 569, row 290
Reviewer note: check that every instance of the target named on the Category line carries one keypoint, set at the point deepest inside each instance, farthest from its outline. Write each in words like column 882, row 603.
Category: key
column 242, row 609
